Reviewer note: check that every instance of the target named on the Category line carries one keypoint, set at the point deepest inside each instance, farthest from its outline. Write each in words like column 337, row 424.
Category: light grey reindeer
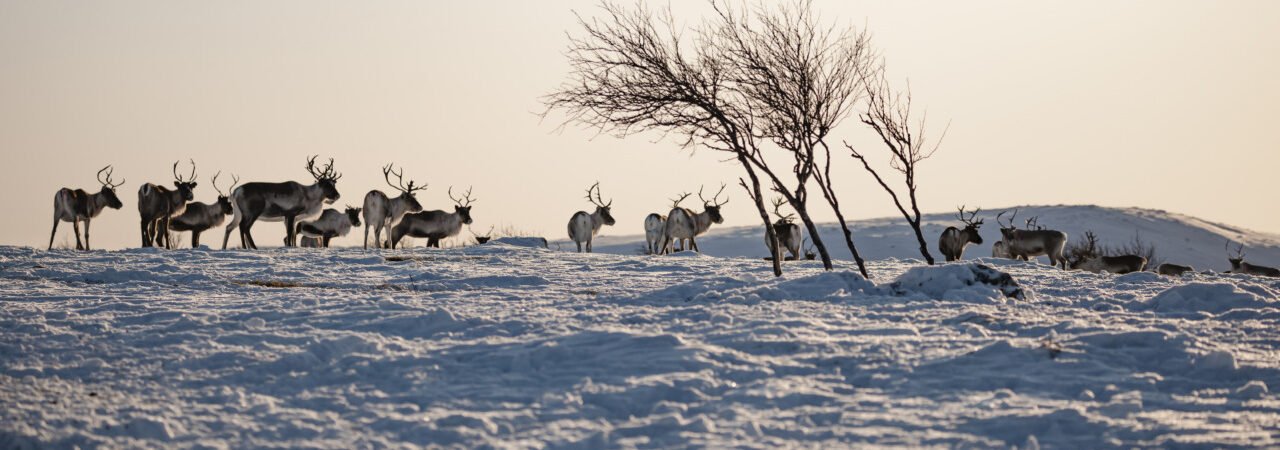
column 77, row 205
column 788, row 233
column 1026, row 244
column 200, row 216
column 684, row 224
column 435, row 225
column 1238, row 264
column 1174, row 270
column 583, row 227
column 289, row 202
column 382, row 212
column 655, row 225
column 331, row 223
column 953, row 240
column 158, row 205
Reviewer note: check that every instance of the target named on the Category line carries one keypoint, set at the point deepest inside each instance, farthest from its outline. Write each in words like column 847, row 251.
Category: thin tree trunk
column 813, row 235
column 757, row 197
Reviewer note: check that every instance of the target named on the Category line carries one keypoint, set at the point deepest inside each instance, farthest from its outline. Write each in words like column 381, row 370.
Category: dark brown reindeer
column 1238, row 265
column 953, row 240
column 332, row 223
column 583, row 226
column 158, row 205
column 289, row 202
column 382, row 212
column 76, row 205
column 482, row 238
column 1090, row 258
column 435, row 225
column 200, row 216
column 788, row 233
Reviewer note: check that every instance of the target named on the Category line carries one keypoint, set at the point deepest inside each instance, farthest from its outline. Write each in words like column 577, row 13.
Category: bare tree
column 889, row 114
column 631, row 72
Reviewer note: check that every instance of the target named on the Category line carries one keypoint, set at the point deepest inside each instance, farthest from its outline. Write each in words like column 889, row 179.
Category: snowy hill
column 1178, row 238
column 514, row 347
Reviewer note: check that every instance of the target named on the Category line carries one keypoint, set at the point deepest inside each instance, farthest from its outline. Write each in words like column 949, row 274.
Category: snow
column 517, row 346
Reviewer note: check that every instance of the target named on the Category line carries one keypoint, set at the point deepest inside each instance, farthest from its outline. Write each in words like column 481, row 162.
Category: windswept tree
column 889, row 114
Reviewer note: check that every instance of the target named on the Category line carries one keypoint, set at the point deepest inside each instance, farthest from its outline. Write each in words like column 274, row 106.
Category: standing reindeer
column 655, row 227
column 953, row 240
column 200, row 216
column 788, row 233
column 75, row 205
column 583, row 227
column 158, row 205
column 434, row 225
column 382, row 212
column 331, row 224
column 1238, row 265
column 684, row 224
column 288, row 201
column 1025, row 244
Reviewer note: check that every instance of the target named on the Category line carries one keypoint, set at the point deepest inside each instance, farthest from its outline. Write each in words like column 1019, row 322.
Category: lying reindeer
column 1112, row 264
column 1174, row 269
column 953, row 240
column 1238, row 265
column 330, row 224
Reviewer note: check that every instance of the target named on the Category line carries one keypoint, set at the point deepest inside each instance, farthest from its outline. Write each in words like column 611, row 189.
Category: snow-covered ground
column 516, row 347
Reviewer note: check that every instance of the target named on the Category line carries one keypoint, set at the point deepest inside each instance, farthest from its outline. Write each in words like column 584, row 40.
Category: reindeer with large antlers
column 76, row 205
column 789, row 235
column 655, row 226
column 200, row 216
column 1026, row 244
column 953, row 240
column 1238, row 265
column 289, row 202
column 382, row 212
column 435, row 225
column 684, row 224
column 583, row 226
column 158, row 205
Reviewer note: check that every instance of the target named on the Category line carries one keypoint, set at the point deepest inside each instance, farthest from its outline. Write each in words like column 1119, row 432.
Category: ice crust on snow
column 513, row 347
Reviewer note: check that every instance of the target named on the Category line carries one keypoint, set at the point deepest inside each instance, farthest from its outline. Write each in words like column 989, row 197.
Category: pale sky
column 1159, row 104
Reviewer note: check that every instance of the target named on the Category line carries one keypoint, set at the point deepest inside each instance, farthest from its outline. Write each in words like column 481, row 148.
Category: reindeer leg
column 246, row 238
column 195, row 239
column 86, row 234
column 366, row 235
column 75, row 226
column 694, row 243
column 588, row 245
column 53, row 233
column 146, row 237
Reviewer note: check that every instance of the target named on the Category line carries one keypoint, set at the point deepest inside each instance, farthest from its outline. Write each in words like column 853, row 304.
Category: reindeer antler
column 675, row 202
column 399, row 185
column 465, row 197
column 969, row 219
column 106, row 181
column 598, row 201
column 1010, row 224
column 777, row 210
column 325, row 173
column 1239, row 250
column 715, row 200
column 179, row 177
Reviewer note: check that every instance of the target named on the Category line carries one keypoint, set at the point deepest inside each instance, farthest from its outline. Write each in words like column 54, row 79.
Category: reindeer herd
column 164, row 210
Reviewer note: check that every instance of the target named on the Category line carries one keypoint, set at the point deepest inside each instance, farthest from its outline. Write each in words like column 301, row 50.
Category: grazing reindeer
column 200, row 216
column 1239, row 266
column 684, row 224
column 788, row 234
column 655, row 227
column 953, row 240
column 998, row 250
column 482, row 239
column 75, row 205
column 583, row 227
column 383, row 212
column 289, row 201
column 1174, row 269
column 434, row 225
column 158, row 205
column 1025, row 244
column 331, row 224
column 1089, row 258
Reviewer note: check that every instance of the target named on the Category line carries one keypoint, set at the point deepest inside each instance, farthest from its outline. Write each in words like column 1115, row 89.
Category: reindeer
column 684, row 224
column 998, row 250
column 1089, row 258
column 953, row 240
column 1025, row 244
column 289, row 201
column 383, row 212
column 655, row 227
column 330, row 224
column 583, row 227
column 1238, row 265
column 1174, row 269
column 158, row 205
column 200, row 216
column 434, row 225
column 75, row 205
column 482, row 238
column 787, row 232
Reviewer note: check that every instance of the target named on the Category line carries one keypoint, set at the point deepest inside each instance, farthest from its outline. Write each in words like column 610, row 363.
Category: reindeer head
column 602, row 207
column 406, row 191
column 1239, row 255
column 462, row 206
column 224, row 198
column 1007, row 230
column 186, row 186
column 326, row 178
column 353, row 215
column 108, row 190
column 971, row 226
column 482, row 239
column 713, row 206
